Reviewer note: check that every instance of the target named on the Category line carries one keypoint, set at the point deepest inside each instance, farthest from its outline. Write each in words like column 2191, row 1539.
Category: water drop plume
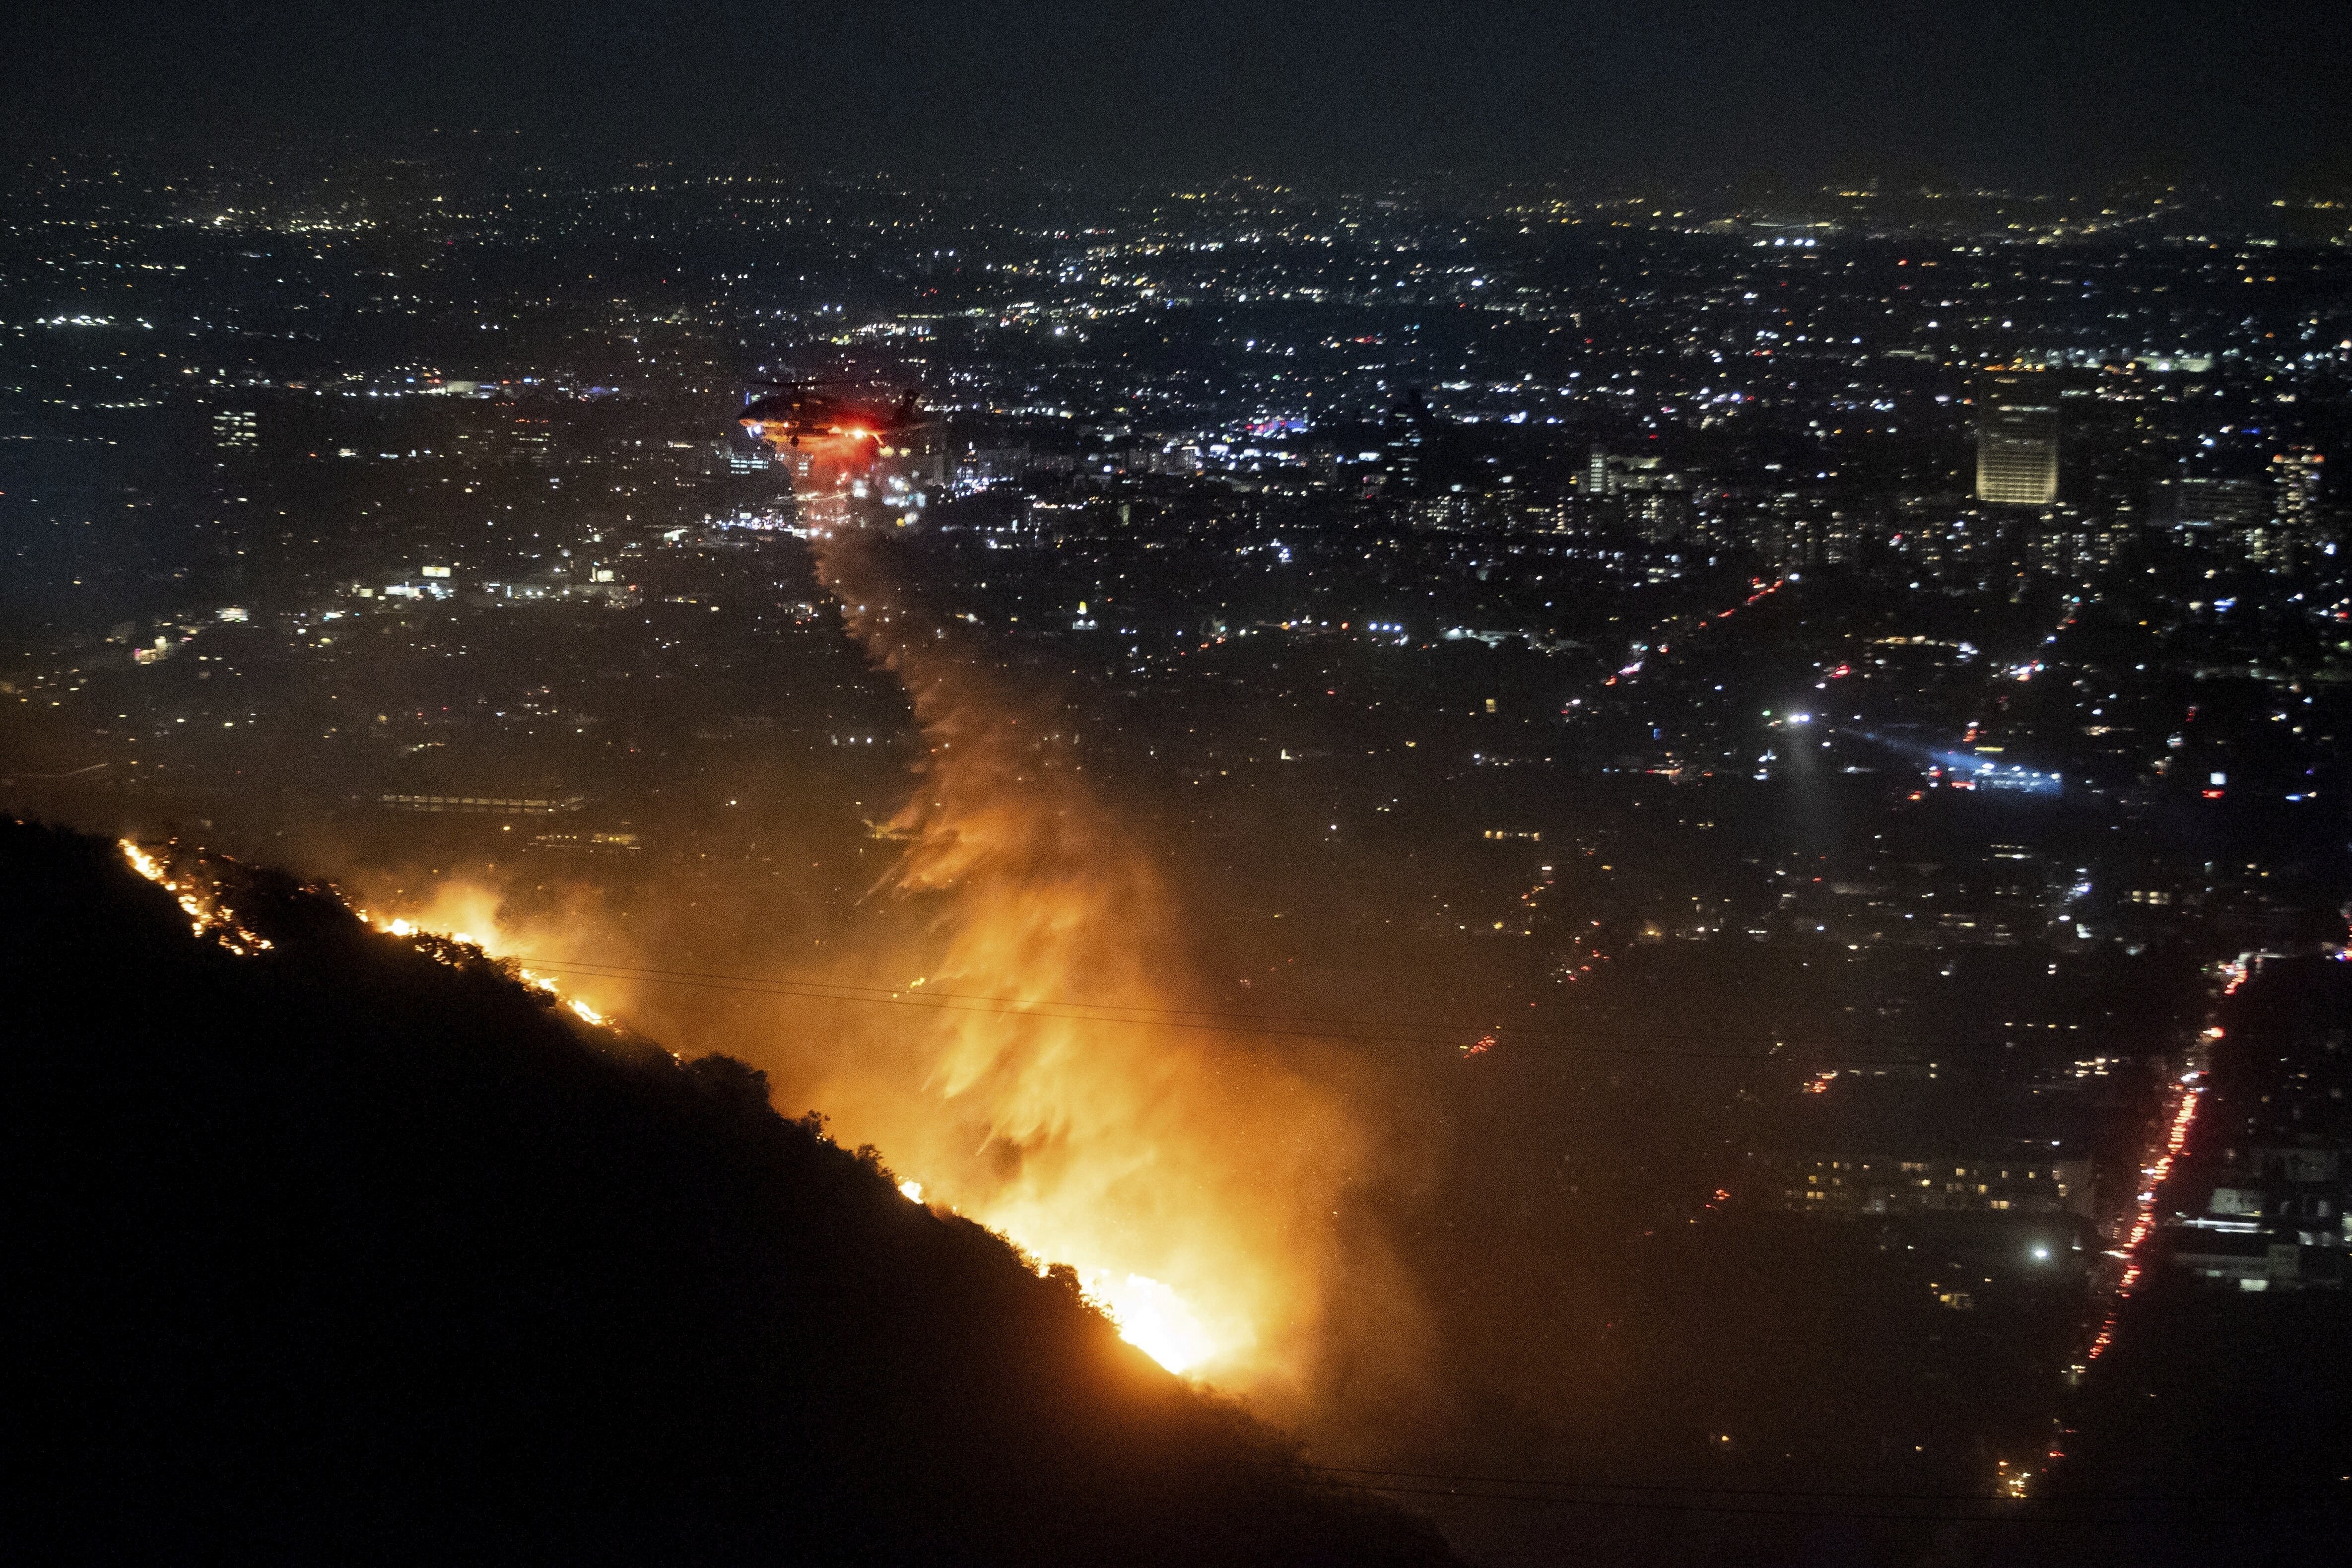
column 1192, row 1179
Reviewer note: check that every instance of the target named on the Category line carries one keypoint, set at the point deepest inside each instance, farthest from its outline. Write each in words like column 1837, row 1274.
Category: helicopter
column 821, row 410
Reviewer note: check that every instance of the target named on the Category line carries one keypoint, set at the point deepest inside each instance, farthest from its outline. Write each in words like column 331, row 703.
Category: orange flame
column 198, row 898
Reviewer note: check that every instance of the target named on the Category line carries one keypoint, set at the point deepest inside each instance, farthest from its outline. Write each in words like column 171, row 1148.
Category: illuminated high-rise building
column 2017, row 440
column 2295, row 480
column 2292, row 530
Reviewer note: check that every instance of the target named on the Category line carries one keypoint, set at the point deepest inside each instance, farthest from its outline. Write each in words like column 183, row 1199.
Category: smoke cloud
column 1193, row 1180
column 1208, row 1189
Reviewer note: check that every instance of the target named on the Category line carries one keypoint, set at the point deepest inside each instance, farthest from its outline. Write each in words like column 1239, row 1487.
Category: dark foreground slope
column 338, row 1253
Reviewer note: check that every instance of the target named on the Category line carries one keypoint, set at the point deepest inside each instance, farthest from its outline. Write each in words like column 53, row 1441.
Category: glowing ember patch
column 911, row 1191
column 141, row 862
column 207, row 915
column 1150, row 1316
column 462, row 929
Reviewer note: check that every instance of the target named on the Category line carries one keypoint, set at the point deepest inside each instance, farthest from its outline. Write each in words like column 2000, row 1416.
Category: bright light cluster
column 1152, row 1317
column 2187, row 1095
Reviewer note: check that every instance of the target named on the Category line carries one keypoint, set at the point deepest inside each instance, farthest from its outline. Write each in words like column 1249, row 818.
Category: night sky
column 2031, row 91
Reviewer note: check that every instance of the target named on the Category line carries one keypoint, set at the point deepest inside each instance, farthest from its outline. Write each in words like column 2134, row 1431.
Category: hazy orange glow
column 833, row 457
column 1180, row 1176
column 473, row 914
column 468, row 916
column 1189, row 1180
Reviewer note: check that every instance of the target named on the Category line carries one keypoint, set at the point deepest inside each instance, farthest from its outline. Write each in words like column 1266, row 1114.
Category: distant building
column 2222, row 505
column 2276, row 1220
column 2256, row 1262
column 1790, row 532
column 2295, row 480
column 586, row 843
column 2020, row 1183
column 2294, row 521
column 233, row 430
column 2017, row 440
column 2070, row 543
column 1608, row 476
column 484, row 805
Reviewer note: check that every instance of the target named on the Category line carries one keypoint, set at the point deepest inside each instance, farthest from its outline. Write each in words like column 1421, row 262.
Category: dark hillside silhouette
column 340, row 1254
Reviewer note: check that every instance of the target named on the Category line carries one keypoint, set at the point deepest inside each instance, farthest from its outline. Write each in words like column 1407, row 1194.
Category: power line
column 1995, row 1509
column 1360, row 1031
column 1660, row 1505
column 1697, row 1489
column 1693, row 1489
column 1429, row 1032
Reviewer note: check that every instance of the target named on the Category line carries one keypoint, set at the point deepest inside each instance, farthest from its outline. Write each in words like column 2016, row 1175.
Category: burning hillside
column 352, row 1247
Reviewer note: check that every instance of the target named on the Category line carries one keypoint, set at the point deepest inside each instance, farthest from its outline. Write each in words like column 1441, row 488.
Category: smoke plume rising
column 1205, row 1187
column 1192, row 1181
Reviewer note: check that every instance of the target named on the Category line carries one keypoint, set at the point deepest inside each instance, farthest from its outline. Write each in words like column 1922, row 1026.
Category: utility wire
column 1356, row 1030
column 1662, row 1505
column 1997, row 1510
column 1697, row 1489
column 1434, row 1031
column 1692, row 1487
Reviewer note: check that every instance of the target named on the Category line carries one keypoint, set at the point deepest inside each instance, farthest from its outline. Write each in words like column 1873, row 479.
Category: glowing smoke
column 1195, row 1184
column 1189, row 1180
